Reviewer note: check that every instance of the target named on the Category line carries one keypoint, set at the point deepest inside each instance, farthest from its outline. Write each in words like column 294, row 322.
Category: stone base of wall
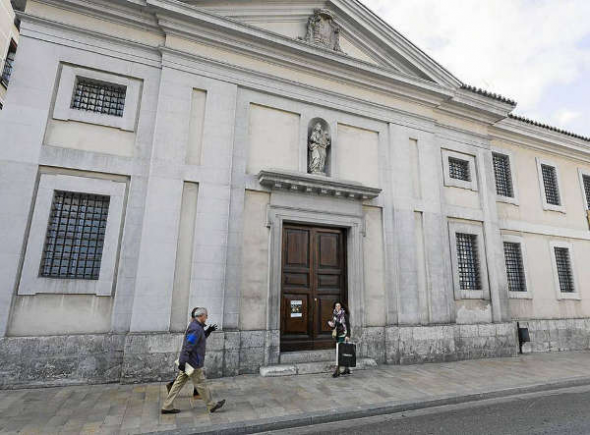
column 422, row 344
column 557, row 335
column 133, row 358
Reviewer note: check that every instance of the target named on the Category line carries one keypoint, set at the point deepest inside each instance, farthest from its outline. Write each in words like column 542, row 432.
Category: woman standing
column 341, row 324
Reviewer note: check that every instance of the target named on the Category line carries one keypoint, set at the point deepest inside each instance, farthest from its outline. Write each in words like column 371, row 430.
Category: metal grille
column 503, row 175
column 108, row 99
column 586, row 179
column 514, row 267
column 75, row 236
column 550, row 183
column 459, row 169
column 468, row 261
column 564, row 270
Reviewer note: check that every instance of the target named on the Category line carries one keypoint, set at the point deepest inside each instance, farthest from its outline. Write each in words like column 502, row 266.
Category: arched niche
column 319, row 144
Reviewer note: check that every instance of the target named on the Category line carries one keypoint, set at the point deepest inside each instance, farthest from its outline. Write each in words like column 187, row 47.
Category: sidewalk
column 273, row 403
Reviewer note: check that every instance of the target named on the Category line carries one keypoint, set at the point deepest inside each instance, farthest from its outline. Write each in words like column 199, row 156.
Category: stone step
column 307, row 368
column 307, row 356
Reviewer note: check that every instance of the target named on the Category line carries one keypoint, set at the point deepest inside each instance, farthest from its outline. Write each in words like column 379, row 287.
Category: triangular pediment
column 362, row 35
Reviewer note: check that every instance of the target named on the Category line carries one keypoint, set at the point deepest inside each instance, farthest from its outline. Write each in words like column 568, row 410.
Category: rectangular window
column 550, row 183
column 459, row 169
column 564, row 270
column 503, row 175
column 8, row 64
column 468, row 262
column 75, row 236
column 514, row 267
column 586, row 180
column 99, row 97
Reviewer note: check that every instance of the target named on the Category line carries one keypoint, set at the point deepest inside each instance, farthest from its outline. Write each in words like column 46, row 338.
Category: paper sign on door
column 296, row 309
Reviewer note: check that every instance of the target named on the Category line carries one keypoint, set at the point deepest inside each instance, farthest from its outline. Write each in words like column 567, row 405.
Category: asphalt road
column 565, row 411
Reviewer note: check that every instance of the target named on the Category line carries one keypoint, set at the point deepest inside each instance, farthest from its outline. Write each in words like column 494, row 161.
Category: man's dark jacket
column 194, row 346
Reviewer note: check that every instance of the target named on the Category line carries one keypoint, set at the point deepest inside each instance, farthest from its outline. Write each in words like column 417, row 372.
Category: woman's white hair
column 200, row 311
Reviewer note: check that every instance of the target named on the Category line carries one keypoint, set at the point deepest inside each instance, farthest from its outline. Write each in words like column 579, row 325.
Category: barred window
column 550, row 183
column 564, row 270
column 99, row 97
column 586, row 179
column 459, row 169
column 503, row 175
column 514, row 267
column 75, row 236
column 468, row 262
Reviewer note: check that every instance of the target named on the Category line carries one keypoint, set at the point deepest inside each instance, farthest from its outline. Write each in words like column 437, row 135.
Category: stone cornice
column 315, row 184
column 177, row 18
column 517, row 132
column 126, row 12
column 193, row 23
column 392, row 38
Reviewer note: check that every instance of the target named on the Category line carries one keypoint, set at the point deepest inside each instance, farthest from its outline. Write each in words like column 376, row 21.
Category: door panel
column 313, row 279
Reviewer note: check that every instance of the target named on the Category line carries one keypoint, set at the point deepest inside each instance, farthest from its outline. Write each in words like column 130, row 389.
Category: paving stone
column 126, row 409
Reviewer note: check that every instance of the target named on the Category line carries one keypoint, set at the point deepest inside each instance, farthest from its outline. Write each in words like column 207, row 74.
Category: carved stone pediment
column 323, row 30
column 315, row 184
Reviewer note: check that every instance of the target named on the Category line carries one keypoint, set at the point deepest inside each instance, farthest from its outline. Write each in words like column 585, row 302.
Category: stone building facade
column 265, row 159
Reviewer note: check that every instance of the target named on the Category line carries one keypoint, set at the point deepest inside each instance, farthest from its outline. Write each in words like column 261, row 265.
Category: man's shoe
column 217, row 406
column 336, row 373
column 346, row 371
column 170, row 411
column 169, row 386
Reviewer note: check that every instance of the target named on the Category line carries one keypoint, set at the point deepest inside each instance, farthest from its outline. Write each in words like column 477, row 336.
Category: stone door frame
column 354, row 225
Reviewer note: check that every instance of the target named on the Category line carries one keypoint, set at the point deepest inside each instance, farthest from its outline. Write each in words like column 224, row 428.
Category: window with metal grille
column 98, row 97
column 564, row 270
column 459, row 169
column 468, row 262
column 586, row 179
column 514, row 267
column 551, row 186
column 75, row 236
column 503, row 175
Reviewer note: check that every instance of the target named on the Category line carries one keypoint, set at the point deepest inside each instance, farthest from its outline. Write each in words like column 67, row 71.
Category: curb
column 329, row 416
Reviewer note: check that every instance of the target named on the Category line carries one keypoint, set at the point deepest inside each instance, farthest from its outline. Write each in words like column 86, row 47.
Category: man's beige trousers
column 200, row 382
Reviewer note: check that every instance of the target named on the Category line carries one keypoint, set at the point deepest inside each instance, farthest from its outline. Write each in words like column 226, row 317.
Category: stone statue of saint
column 319, row 141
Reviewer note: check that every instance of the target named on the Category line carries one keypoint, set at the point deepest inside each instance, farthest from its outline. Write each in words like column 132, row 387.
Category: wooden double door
column 313, row 279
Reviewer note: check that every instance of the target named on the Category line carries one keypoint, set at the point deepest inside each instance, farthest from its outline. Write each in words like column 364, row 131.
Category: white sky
column 536, row 52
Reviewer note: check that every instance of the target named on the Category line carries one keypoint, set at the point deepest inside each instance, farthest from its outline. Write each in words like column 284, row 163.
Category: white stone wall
column 199, row 229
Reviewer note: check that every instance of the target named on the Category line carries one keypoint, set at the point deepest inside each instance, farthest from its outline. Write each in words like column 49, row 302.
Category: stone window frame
column 546, row 206
column 31, row 283
column 575, row 295
column 476, row 229
column 584, row 173
column 528, row 294
column 453, row 182
column 501, row 198
column 62, row 110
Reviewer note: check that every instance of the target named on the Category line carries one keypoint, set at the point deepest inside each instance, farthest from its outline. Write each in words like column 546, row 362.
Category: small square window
column 75, row 236
column 550, row 183
column 459, row 169
column 514, row 267
column 468, row 262
column 564, row 270
column 503, row 174
column 98, row 97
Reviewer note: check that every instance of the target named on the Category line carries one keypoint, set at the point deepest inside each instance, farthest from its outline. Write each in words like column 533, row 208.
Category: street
column 562, row 411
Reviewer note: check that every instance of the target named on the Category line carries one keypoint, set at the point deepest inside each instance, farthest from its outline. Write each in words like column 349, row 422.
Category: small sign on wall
column 296, row 308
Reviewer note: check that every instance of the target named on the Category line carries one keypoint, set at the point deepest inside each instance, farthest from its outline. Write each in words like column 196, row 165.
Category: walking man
column 193, row 355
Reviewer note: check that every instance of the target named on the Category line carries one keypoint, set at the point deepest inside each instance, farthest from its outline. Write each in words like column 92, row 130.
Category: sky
column 536, row 52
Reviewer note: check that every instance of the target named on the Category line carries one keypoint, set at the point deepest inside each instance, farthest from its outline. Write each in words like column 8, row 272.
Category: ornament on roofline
column 323, row 30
